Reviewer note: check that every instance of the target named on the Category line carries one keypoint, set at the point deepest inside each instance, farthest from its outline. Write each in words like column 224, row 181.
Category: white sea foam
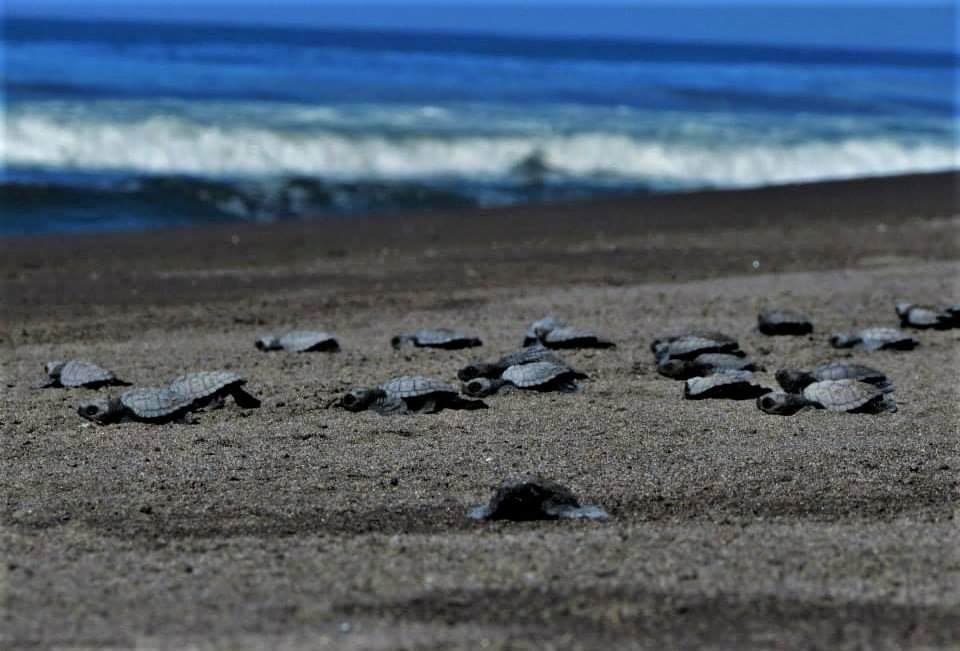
column 175, row 144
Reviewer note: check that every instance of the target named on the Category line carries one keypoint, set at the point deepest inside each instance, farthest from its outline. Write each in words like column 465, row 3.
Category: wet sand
column 297, row 526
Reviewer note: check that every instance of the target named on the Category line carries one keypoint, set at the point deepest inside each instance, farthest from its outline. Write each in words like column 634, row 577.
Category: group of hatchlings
column 711, row 364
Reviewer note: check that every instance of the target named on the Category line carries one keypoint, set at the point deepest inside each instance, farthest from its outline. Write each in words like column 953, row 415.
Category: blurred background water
column 133, row 124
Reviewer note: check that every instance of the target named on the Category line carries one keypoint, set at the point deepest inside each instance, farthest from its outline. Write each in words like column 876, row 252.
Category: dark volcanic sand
column 296, row 526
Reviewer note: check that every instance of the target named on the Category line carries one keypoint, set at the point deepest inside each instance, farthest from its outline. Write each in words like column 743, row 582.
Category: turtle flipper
column 457, row 402
column 244, row 399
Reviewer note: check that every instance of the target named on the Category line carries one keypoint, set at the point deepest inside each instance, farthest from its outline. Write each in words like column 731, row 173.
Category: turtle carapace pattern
column 928, row 316
column 728, row 385
column 691, row 345
column 794, row 380
column 78, row 373
column 847, row 395
column 536, row 353
column 530, row 499
column 552, row 332
column 536, row 376
column 783, row 322
column 212, row 388
column 300, row 341
column 703, row 365
column 406, row 395
column 150, row 405
column 439, row 338
column 871, row 339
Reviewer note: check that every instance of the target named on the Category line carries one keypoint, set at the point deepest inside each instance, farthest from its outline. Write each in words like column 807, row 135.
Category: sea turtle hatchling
column 300, row 341
column 871, row 339
column 535, row 499
column 78, row 373
column 571, row 337
column 150, row 405
column 408, row 394
column 541, row 326
column 535, row 376
column 794, row 380
column 438, row 338
column 783, row 322
column 703, row 365
column 848, row 395
column 212, row 388
column 493, row 369
column 691, row 345
column 728, row 385
column 927, row 316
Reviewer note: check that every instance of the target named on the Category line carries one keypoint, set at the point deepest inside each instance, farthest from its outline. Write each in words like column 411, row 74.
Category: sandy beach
column 296, row 526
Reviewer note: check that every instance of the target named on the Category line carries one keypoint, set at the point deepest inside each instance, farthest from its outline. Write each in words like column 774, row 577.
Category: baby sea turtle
column 540, row 327
column 794, row 380
column 927, row 316
column 834, row 395
column 702, row 333
column 439, row 338
column 691, row 345
column 783, row 322
column 408, row 394
column 535, row 499
column 300, row 341
column 212, row 388
column 729, row 385
column 703, row 365
column 570, row 337
column 536, row 376
column 874, row 339
column 493, row 369
column 78, row 373
column 150, row 405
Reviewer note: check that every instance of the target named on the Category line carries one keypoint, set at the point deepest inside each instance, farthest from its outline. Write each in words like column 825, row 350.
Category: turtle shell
column 690, row 346
column 842, row 371
column 197, row 386
column 537, row 374
column 535, row 499
column 154, row 403
column 416, row 386
column 736, row 385
column 570, row 337
column 842, row 395
column 783, row 322
column 301, row 341
column 876, row 338
column 540, row 327
column 703, row 334
column 536, row 353
column 77, row 373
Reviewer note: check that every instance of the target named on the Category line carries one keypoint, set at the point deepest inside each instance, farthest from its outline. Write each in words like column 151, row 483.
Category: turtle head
column 903, row 309
column 793, row 380
column 780, row 403
column 399, row 340
column 53, row 369
column 675, row 368
column 102, row 411
column 661, row 351
column 475, row 370
column 843, row 340
column 268, row 342
column 479, row 387
column 359, row 399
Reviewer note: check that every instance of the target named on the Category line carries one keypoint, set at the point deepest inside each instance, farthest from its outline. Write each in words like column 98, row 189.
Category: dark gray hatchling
column 703, row 365
column 571, row 337
column 927, row 316
column 78, row 373
column 850, row 396
column 691, row 345
column 794, row 380
column 537, row 353
column 728, row 385
column 535, row 499
column 211, row 388
column 300, row 341
column 871, row 339
column 783, row 322
column 702, row 333
column 406, row 395
column 149, row 405
column 445, row 338
column 540, row 327
column 535, row 376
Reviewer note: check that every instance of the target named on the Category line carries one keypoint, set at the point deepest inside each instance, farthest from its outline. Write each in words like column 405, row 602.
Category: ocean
column 129, row 125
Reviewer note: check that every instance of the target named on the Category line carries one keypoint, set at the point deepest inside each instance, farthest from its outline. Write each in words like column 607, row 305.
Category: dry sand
column 296, row 526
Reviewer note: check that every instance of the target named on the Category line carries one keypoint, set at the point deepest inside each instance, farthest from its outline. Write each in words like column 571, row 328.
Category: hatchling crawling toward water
column 794, row 380
column 535, row 499
column 300, row 341
column 494, row 369
column 554, row 333
column 78, row 373
column 536, row 376
column 438, row 338
column 211, row 388
column 406, row 395
column 871, row 339
column 703, row 365
column 689, row 346
column 148, row 405
column 728, row 385
column 783, row 322
column 928, row 316
column 848, row 395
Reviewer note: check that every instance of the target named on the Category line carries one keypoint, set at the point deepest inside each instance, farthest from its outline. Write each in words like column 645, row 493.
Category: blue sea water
column 137, row 125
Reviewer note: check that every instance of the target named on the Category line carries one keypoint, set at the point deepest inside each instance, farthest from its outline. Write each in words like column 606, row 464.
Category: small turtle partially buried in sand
column 536, row 376
column 871, row 339
column 494, row 369
column 783, row 322
column 530, row 499
column 149, row 405
column 551, row 332
column 703, row 365
column 850, row 396
column 211, row 388
column 928, row 316
column 794, row 380
column 438, row 338
column 78, row 373
column 728, row 385
column 300, row 341
column 406, row 395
